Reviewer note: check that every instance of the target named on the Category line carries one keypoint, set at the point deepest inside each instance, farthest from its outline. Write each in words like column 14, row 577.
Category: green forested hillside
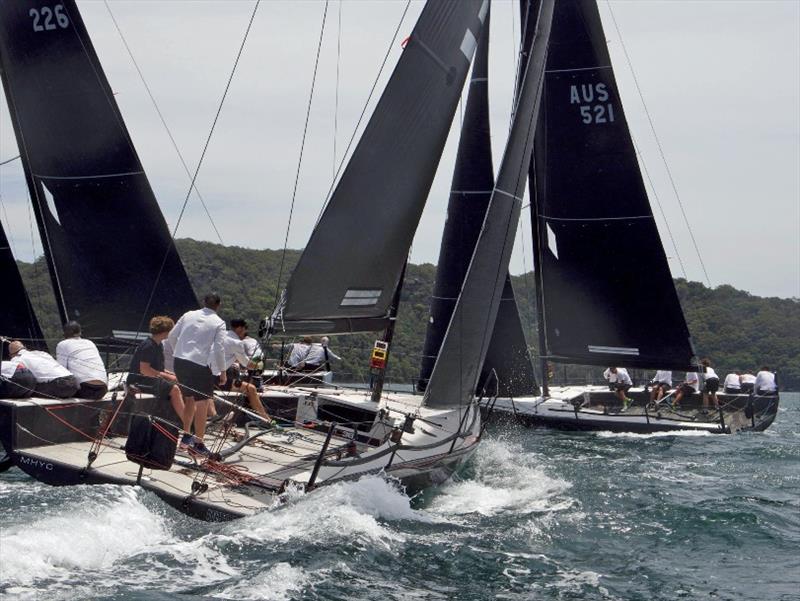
column 734, row 328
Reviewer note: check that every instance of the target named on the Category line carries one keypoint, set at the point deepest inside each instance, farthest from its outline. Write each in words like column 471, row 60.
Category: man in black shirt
column 147, row 371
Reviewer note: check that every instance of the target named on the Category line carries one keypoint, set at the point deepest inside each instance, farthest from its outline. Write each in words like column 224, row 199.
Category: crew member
column 732, row 384
column 198, row 342
column 53, row 380
column 711, row 385
column 299, row 353
column 148, row 372
column 661, row 383
column 765, row 382
column 748, row 382
column 620, row 382
column 82, row 359
column 689, row 386
column 320, row 355
column 236, row 358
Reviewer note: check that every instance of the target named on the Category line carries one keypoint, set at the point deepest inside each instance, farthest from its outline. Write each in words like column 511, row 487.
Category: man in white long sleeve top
column 319, row 355
column 198, row 343
column 82, row 359
column 661, row 382
column 236, row 359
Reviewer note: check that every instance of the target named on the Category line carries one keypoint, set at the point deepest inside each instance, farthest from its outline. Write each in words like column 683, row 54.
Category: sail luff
column 468, row 335
column 346, row 276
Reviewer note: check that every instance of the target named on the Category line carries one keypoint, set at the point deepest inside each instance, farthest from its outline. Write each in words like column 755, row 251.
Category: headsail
column 466, row 342
column 471, row 189
column 608, row 296
column 17, row 319
column 350, row 269
column 104, row 236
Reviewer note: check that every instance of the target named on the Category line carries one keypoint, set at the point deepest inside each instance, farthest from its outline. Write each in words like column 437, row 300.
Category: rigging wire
column 336, row 101
column 302, row 149
column 11, row 159
column 658, row 144
column 163, row 121
column 363, row 111
column 200, row 162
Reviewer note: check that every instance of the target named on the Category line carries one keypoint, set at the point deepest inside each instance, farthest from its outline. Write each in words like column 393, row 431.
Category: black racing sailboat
column 507, row 368
column 335, row 434
column 605, row 295
column 111, row 257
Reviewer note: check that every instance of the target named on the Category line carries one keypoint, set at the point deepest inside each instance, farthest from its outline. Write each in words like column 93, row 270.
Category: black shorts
column 712, row 385
column 195, row 380
column 158, row 387
column 662, row 385
column 231, row 375
column 729, row 390
column 686, row 389
column 619, row 386
column 92, row 391
column 747, row 387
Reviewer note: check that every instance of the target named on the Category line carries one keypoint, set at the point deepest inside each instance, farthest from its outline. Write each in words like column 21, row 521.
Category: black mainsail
column 607, row 296
column 466, row 342
column 471, row 189
column 17, row 318
column 350, row 269
column 112, row 260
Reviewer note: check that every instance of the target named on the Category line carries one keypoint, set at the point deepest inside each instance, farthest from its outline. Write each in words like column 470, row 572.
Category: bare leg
column 255, row 401
column 188, row 413
column 176, row 398
column 200, row 418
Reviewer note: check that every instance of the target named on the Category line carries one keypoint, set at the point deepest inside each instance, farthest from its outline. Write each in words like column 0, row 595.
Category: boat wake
column 504, row 478
column 671, row 434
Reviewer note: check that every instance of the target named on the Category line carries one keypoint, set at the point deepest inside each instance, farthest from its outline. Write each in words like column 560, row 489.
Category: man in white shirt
column 299, row 353
column 689, row 386
column 236, row 359
column 319, row 355
column 16, row 380
column 765, row 382
column 82, row 359
column 748, row 382
column 52, row 379
column 661, row 383
column 710, row 386
column 198, row 343
column 620, row 382
column 732, row 384
column 252, row 350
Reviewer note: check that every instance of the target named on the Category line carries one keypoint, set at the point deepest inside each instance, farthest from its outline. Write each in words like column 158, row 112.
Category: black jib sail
column 467, row 339
column 350, row 269
column 17, row 319
column 607, row 293
column 104, row 236
column 473, row 181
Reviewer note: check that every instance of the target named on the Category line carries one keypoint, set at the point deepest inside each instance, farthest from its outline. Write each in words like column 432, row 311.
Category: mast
column 388, row 336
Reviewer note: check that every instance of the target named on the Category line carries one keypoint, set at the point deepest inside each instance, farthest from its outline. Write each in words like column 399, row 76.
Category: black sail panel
column 17, row 319
column 103, row 233
column 608, row 295
column 350, row 269
column 467, row 339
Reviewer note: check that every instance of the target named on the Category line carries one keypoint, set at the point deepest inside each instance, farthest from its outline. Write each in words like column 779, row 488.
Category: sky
column 719, row 80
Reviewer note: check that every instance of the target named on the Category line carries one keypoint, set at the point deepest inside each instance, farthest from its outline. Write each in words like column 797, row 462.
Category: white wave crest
column 280, row 583
column 506, row 479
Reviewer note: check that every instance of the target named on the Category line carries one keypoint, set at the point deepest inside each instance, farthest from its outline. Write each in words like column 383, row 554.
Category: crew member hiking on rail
column 198, row 342
column 81, row 357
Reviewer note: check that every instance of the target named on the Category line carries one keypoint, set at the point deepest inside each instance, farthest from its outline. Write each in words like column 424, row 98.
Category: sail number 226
column 48, row 19
column 592, row 101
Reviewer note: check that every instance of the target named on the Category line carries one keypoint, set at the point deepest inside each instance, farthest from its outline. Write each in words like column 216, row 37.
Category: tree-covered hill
column 734, row 328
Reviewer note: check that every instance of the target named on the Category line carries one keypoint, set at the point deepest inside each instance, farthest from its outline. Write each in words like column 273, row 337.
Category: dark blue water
column 537, row 515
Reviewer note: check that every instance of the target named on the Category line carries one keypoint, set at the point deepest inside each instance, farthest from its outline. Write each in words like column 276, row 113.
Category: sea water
column 536, row 514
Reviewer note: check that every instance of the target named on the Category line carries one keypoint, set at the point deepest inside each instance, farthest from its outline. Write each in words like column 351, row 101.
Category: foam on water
column 672, row 434
column 281, row 582
column 355, row 511
column 506, row 479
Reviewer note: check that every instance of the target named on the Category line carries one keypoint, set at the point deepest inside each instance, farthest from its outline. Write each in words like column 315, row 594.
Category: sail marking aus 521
column 592, row 100
column 43, row 18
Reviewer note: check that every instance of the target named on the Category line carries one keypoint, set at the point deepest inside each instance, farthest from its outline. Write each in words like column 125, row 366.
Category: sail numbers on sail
column 43, row 18
column 588, row 93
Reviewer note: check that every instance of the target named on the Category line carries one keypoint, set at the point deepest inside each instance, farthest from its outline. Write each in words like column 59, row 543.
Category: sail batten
column 106, row 242
column 605, row 288
column 345, row 282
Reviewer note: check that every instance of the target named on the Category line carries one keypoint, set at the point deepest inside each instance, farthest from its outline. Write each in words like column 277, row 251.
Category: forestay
column 103, row 234
column 466, row 342
column 17, row 319
column 608, row 296
column 350, row 269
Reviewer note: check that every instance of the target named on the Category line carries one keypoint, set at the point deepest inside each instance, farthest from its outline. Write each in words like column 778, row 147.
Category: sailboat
column 604, row 292
column 341, row 284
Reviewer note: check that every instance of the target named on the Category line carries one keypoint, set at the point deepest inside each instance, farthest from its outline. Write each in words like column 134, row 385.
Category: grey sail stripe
column 596, row 218
column 471, row 191
column 478, row 79
column 503, row 192
column 88, row 176
column 579, row 69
